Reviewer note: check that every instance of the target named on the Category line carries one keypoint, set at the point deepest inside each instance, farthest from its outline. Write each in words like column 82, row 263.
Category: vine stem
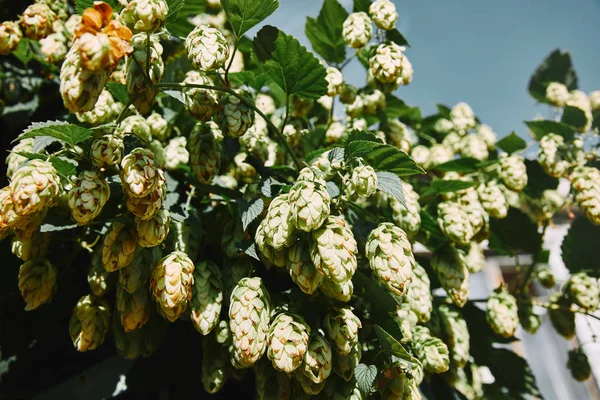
column 272, row 127
column 347, row 61
column 235, row 46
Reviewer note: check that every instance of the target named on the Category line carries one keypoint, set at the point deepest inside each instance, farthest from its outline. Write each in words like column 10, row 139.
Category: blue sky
column 479, row 51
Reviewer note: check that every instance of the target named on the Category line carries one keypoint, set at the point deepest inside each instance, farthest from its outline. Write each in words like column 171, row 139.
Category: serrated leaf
column 325, row 32
column 391, row 345
column 512, row 372
column 65, row 167
column 574, row 116
column 368, row 288
column 118, row 91
column 249, row 248
column 251, row 211
column 396, row 108
column 32, row 156
column 537, row 179
column 176, row 94
column 291, row 66
column 394, row 35
column 356, row 134
column 580, row 247
column 179, row 12
column 544, row 127
column 383, row 157
column 365, row 377
column 511, row 143
column 515, row 233
column 174, row 7
column 333, row 189
column 361, row 5
column 41, row 142
column 463, row 165
column 446, row 186
column 389, row 183
column 244, row 14
column 556, row 67
column 336, row 154
column 60, row 130
column 81, row 5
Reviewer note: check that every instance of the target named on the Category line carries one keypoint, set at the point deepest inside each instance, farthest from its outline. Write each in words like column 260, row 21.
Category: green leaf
column 596, row 121
column 368, row 288
column 557, row 67
column 580, row 247
column 395, row 36
column 249, row 78
column 292, row 67
column 325, row 32
column 537, row 179
column 383, row 157
column 32, row 156
column 574, row 116
column 65, row 167
column 544, row 127
column 365, row 377
column 336, row 154
column 244, row 14
column 396, row 108
column 512, row 372
column 515, row 233
column 251, row 211
column 356, row 134
column 361, row 5
column 391, row 345
column 463, row 165
column 365, row 54
column 446, row 186
column 389, row 183
column 179, row 12
column 333, row 189
column 118, row 91
column 431, row 230
column 63, row 131
column 511, row 143
column 174, row 7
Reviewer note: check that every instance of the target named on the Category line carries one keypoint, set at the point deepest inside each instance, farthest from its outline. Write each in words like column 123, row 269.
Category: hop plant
column 390, row 256
column 317, row 363
column 357, row 30
column 207, row 48
column 439, row 154
column 54, row 47
column 207, row 297
column 270, row 383
column 140, row 174
column 407, row 218
column 474, row 147
column 137, row 273
column 584, row 181
column 143, row 66
column 79, row 88
column 309, row 202
column 134, row 308
column 454, row 221
column 475, row 259
column 335, row 79
column 89, row 322
column 249, row 314
column 462, row 118
column 87, row 197
column 386, row 62
column 550, row 155
column 561, row 316
column 10, row 36
column 492, row 199
column 119, row 246
column 176, row 153
column 456, row 335
column 205, row 151
column 557, row 94
column 364, row 180
column 583, row 290
column 384, row 14
column 579, row 365
column 153, row 231
column 171, row 284
column 287, row 341
column 14, row 161
column 341, row 326
column 344, row 364
column 37, row 282
column 103, row 112
column 37, row 21
column 202, row 103
column 235, row 116
column 450, row 266
column 107, row 151
column 276, row 257
column 513, row 172
column 35, row 187
column 419, row 296
column 333, row 250
column 146, row 207
column 431, row 351
column 301, row 268
column 145, row 15
column 502, row 313
column 277, row 227
column 529, row 320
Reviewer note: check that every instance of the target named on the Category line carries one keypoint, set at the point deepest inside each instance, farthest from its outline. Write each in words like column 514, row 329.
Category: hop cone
column 562, row 318
column 407, row 321
column 37, row 282
column 527, row 318
column 89, row 194
column 141, row 68
column 153, row 231
column 139, row 173
column 171, row 284
column 475, row 259
column 513, row 172
column 364, row 180
column 492, row 199
column 118, row 248
column 502, row 313
column 474, row 147
column 456, row 334
column 15, row 161
column 187, row 235
column 386, row 62
column 10, row 36
column 54, row 47
column 79, row 88
column 222, row 333
column 136, row 125
column 390, row 256
column 344, row 365
column 357, row 30
column 207, row 48
column 35, row 248
column 99, row 279
column 450, row 266
column 454, row 221
column 408, row 219
column 278, row 230
column 287, row 341
column 89, row 323
column 205, row 151
column 308, row 387
column 439, row 154
column 207, row 297
column 134, row 308
column 419, row 296
column 35, row 187
column 249, row 314
column 585, row 182
column 37, row 21
column 277, row 257
column 103, row 112
column 431, row 351
column 158, row 126
column 584, row 291
column 384, row 14
column 235, row 116
column 146, row 207
column 335, row 79
column 333, row 250
column 202, row 103
column 176, row 153
column 309, row 204
column 341, row 326
column 550, row 155
column 215, row 365
column 107, row 151
column 270, row 383
column 579, row 365
column 338, row 291
column 140, row 342
column 145, row 15
column 301, row 268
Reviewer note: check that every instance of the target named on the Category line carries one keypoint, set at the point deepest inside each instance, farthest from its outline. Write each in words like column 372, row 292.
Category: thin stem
column 148, row 55
column 189, row 198
column 347, row 61
column 235, row 46
column 249, row 103
column 287, row 113
column 123, row 113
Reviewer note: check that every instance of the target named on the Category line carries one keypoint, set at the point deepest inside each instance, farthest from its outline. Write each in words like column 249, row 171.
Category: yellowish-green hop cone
column 79, row 89
column 419, row 295
column 135, row 125
column 10, row 36
column 87, row 197
column 145, row 15
column 335, row 79
column 344, row 364
column 140, row 174
column 584, row 291
column 456, row 334
column 551, row 157
column 171, row 284
column 392, row 383
column 384, row 14
column 451, row 268
column 146, row 207
column 202, row 103
column 477, row 215
column 529, row 320
column 104, row 111
column 579, row 365
column 357, row 30
column 89, row 323
column 475, row 258
column 54, row 47
column 407, row 218
column 35, row 187
column 270, row 383
column 107, row 151
column 153, row 231
column 249, row 315
column 99, row 279
column 317, row 362
column 37, row 21
column 222, row 333
column 308, row 387
column 235, row 116
column 15, row 161
column 287, row 341
column 205, row 151
column 23, row 226
column 119, row 246
column 278, row 229
column 386, row 62
column 341, row 326
column 390, row 257
column 277, row 257
column 37, row 282
column 35, row 248
column 513, row 172
column 233, row 270
column 586, row 183
column 544, row 208
column 128, row 344
column 333, row 250
column 364, row 180
column 301, row 268
column 158, row 126
column 453, row 220
column 176, row 153
column 338, row 291
column 473, row 146
column 215, row 365
column 207, row 297
column 561, row 316
column 431, row 351
column 140, row 91
column 407, row 321
column 134, row 308
column 502, row 313
column 207, row 48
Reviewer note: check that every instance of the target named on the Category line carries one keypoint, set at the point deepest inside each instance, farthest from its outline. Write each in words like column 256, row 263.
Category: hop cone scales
column 37, row 282
column 207, row 297
column 341, row 326
column 333, row 250
column 89, row 323
column 287, row 341
column 171, row 284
